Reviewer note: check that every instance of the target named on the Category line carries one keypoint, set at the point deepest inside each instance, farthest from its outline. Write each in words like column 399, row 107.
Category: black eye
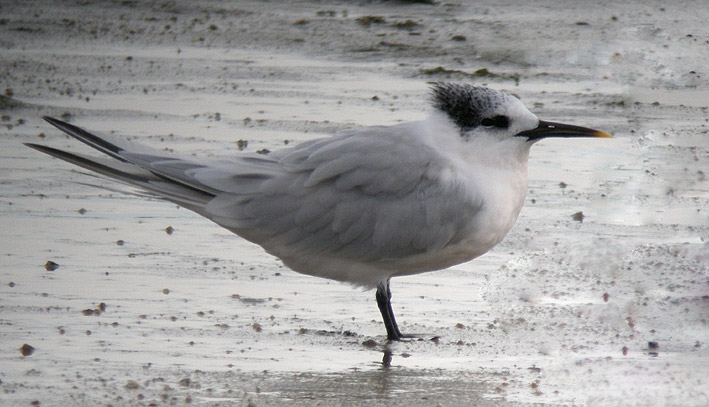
column 498, row 121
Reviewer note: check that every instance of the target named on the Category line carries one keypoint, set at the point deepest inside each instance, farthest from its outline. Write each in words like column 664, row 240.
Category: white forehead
column 521, row 118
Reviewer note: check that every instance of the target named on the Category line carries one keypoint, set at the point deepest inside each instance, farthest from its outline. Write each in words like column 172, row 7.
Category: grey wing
column 368, row 195
column 359, row 196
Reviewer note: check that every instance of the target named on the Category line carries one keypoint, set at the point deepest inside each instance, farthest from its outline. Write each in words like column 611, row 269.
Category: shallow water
column 608, row 311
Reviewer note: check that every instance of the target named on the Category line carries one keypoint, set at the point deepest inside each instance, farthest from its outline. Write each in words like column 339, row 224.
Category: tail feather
column 135, row 167
column 100, row 144
column 157, row 162
column 127, row 172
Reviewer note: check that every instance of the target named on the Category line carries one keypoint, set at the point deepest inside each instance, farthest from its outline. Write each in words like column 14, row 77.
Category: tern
column 365, row 204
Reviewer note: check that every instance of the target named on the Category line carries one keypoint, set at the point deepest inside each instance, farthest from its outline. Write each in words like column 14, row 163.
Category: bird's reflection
column 386, row 359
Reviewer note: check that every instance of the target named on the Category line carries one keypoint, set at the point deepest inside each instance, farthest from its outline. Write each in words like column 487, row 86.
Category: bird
column 366, row 204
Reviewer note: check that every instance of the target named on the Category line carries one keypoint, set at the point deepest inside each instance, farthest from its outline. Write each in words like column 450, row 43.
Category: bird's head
column 483, row 113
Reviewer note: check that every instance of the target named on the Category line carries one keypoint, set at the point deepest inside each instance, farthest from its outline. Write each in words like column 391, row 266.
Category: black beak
column 551, row 129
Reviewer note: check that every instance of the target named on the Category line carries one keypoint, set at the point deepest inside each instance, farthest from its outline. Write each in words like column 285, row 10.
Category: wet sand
column 607, row 308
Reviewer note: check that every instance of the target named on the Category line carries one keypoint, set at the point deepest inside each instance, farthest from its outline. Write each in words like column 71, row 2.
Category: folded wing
column 367, row 196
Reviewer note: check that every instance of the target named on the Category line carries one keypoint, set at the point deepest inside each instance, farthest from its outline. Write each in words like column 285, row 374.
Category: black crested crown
column 465, row 104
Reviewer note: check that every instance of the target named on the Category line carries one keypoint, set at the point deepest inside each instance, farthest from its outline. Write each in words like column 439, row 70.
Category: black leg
column 384, row 303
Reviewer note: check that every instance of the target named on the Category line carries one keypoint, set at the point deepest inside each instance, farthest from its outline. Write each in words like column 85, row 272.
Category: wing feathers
column 101, row 144
column 366, row 196
column 133, row 175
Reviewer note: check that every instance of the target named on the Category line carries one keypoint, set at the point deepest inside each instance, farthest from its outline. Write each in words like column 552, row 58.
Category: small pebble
column 578, row 216
column 26, row 350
